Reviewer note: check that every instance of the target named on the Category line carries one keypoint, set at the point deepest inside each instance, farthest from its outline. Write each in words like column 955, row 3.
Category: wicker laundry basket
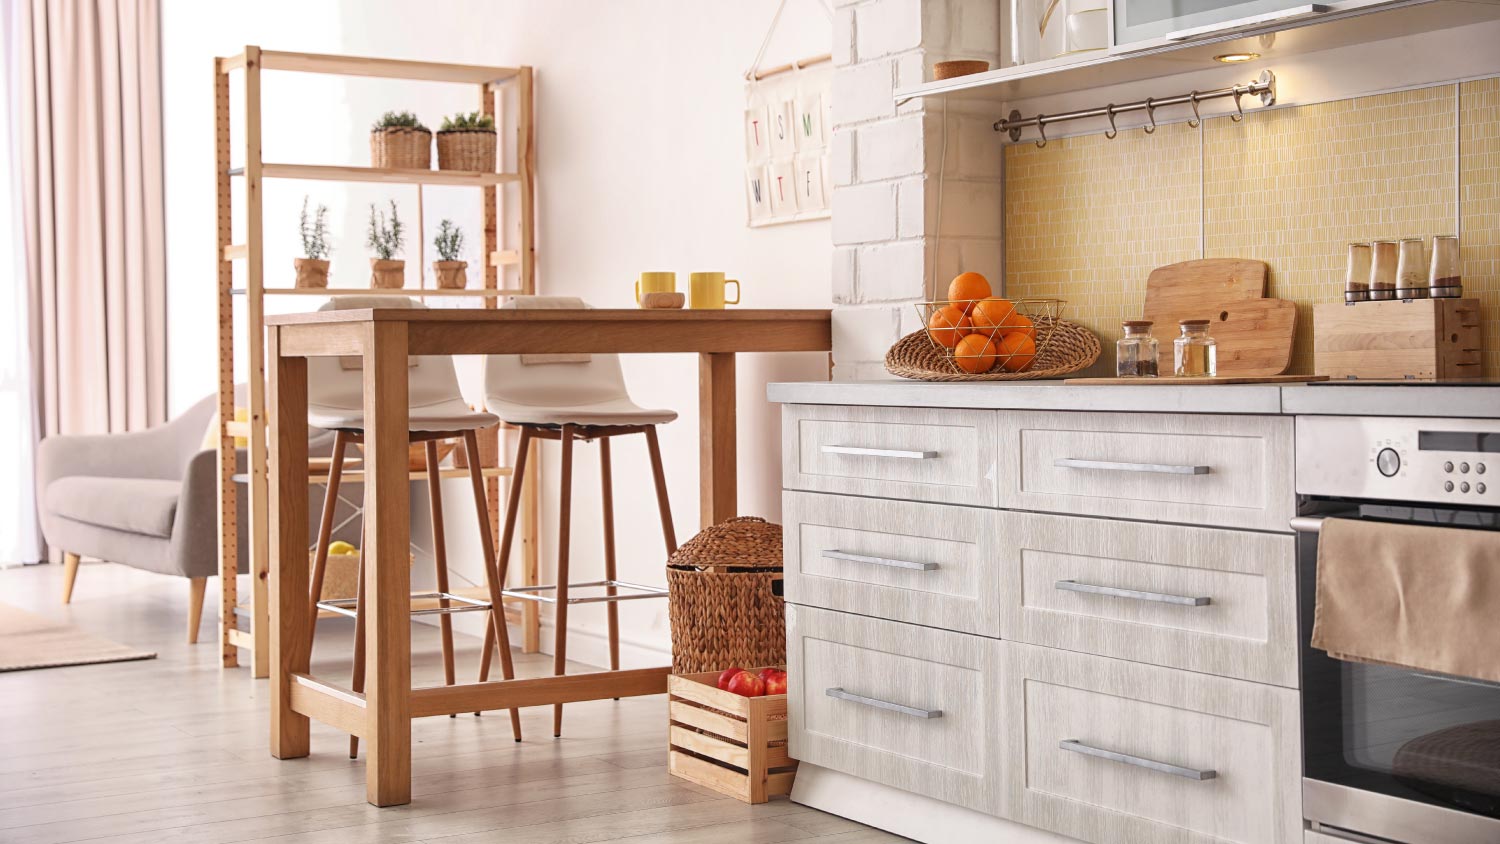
column 721, row 607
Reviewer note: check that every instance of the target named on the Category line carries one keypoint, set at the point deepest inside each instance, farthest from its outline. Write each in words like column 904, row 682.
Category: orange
column 1016, row 350
column 975, row 353
column 967, row 289
column 947, row 325
column 997, row 312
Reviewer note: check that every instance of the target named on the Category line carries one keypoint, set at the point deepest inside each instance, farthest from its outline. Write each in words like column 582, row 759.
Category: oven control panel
column 1444, row 461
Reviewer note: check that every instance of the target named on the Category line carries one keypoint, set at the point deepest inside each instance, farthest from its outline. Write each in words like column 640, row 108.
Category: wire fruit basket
column 993, row 339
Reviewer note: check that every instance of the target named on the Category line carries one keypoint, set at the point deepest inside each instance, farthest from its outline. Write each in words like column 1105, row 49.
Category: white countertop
column 1482, row 401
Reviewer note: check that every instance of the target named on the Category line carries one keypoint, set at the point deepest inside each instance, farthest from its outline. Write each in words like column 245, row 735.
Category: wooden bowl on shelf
column 663, row 300
column 958, row 67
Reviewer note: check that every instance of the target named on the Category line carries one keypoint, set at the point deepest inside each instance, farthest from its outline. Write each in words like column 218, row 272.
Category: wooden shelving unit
column 492, row 83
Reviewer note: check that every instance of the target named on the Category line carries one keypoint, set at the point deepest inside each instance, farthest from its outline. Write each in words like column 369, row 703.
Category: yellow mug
column 706, row 291
column 655, row 283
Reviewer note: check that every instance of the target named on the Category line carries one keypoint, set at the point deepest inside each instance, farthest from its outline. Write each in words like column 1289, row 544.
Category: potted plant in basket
column 312, row 270
column 452, row 272
column 399, row 140
column 467, row 142
column 386, row 239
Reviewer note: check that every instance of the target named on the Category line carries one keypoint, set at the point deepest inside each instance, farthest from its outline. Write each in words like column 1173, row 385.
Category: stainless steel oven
column 1392, row 754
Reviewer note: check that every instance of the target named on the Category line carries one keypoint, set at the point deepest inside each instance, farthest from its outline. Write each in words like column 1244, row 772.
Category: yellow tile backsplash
column 1086, row 218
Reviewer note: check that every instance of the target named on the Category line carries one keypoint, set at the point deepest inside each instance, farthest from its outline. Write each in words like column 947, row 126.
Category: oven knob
column 1448, row 466
column 1479, row 489
column 1479, row 468
column 1447, row 486
column 1388, row 462
column 1463, row 467
column 1463, row 487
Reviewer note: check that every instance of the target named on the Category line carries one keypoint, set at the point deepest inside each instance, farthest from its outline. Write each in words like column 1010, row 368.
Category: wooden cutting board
column 1254, row 336
column 1191, row 285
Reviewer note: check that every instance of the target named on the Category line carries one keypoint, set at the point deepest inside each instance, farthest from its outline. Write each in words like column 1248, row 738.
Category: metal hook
column 1109, row 111
column 1150, row 113
column 1193, row 98
column 1041, row 128
column 1239, row 109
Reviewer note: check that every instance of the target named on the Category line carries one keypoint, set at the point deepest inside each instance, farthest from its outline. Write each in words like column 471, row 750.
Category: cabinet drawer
column 1216, row 601
column 1234, row 471
column 1118, row 751
column 907, row 706
column 915, row 454
column 932, row 564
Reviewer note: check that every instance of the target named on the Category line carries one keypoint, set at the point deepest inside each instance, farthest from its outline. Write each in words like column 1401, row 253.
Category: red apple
column 775, row 680
column 746, row 684
column 726, row 675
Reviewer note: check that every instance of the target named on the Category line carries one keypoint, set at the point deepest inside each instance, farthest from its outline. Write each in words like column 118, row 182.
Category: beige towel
column 1414, row 596
column 540, row 303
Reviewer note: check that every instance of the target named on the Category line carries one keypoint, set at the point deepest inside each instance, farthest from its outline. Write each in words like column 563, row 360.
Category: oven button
column 1463, row 467
column 1447, row 486
column 1448, row 466
column 1388, row 462
column 1479, row 468
column 1479, row 489
column 1463, row 487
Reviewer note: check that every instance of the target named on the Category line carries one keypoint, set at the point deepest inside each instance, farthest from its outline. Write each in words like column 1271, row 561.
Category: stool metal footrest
column 346, row 606
column 532, row 593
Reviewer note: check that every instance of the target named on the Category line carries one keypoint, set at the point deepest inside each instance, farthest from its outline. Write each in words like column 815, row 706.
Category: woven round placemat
column 1069, row 348
column 720, row 604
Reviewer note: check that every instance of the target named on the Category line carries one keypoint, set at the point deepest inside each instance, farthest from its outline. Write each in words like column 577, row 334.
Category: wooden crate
column 734, row 745
column 1420, row 339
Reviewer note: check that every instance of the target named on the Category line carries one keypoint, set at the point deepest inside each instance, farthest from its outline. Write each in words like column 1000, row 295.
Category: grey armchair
column 148, row 500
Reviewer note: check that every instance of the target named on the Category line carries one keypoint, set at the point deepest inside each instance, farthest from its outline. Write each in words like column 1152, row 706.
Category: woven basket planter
column 467, row 149
column 312, row 273
column 721, row 607
column 1070, row 348
column 401, row 148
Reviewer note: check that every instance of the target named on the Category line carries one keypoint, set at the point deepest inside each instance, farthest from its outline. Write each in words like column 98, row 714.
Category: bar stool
column 567, row 398
column 437, row 411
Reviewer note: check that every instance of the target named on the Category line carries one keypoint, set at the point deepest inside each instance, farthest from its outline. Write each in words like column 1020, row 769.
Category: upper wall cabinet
column 1062, row 46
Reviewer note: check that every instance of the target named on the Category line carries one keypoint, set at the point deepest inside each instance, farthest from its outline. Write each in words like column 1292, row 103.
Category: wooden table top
column 592, row 315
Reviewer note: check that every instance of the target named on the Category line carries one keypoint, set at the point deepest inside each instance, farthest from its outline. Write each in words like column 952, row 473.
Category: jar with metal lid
column 1357, row 274
column 1444, row 280
column 1383, row 259
column 1135, row 353
column 1411, row 276
column 1194, row 353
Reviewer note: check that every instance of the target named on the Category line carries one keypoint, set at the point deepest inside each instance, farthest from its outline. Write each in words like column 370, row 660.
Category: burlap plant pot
column 451, row 275
column 311, row 272
column 387, row 274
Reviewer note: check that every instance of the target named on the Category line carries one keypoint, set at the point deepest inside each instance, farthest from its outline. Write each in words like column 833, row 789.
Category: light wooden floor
column 175, row 750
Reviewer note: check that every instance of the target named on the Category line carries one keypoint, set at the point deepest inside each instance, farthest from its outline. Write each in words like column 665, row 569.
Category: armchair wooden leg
column 70, row 573
column 196, row 587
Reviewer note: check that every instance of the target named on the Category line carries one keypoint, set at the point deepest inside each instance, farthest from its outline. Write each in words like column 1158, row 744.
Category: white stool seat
column 451, row 415
column 562, row 389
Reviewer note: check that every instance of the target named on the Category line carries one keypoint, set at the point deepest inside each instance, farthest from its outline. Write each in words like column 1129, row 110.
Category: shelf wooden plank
column 388, row 175
column 384, row 68
column 415, row 292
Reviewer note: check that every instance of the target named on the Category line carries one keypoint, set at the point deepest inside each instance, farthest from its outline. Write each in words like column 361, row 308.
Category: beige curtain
column 91, row 158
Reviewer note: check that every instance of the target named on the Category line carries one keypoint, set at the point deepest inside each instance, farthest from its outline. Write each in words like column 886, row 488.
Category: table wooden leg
column 716, row 449
column 387, row 603
column 291, row 624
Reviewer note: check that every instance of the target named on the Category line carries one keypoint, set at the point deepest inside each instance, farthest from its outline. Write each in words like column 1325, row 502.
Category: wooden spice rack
column 732, row 744
column 518, row 261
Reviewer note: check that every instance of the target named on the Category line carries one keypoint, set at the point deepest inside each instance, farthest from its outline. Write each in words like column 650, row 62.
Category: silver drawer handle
column 884, row 704
column 1149, row 764
column 1109, row 465
column 1306, row 524
column 859, row 451
column 1158, row 597
column 879, row 561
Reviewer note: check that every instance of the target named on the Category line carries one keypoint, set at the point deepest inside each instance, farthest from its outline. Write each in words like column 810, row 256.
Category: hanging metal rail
column 1264, row 87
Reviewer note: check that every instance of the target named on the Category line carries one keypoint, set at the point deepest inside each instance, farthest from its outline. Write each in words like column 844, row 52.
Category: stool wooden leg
column 325, row 531
column 440, row 556
column 606, row 496
column 662, row 504
column 560, row 615
column 507, row 537
column 357, row 680
column 493, row 576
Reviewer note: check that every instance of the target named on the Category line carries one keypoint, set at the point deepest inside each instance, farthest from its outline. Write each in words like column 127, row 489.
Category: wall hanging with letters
column 787, row 132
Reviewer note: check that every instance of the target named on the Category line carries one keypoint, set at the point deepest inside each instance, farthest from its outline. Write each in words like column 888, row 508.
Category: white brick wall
column 886, row 165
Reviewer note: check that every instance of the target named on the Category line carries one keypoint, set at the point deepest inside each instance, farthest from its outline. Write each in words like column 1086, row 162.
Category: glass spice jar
column 1411, row 282
column 1383, row 270
column 1135, row 353
column 1357, row 274
column 1444, row 280
column 1194, row 353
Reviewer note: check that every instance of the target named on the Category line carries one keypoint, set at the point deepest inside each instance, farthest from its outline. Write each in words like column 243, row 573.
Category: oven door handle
column 1306, row 524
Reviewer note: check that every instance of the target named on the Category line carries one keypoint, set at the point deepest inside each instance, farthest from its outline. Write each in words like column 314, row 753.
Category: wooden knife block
column 1418, row 339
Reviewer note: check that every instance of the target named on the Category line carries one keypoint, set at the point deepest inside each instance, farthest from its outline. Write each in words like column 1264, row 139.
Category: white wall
column 640, row 156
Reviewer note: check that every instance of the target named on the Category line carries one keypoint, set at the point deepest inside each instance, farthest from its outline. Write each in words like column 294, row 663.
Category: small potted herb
column 386, row 239
column 398, row 140
column 312, row 270
column 467, row 142
column 452, row 272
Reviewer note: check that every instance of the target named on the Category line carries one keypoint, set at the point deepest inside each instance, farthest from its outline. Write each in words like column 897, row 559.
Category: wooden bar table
column 384, row 338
